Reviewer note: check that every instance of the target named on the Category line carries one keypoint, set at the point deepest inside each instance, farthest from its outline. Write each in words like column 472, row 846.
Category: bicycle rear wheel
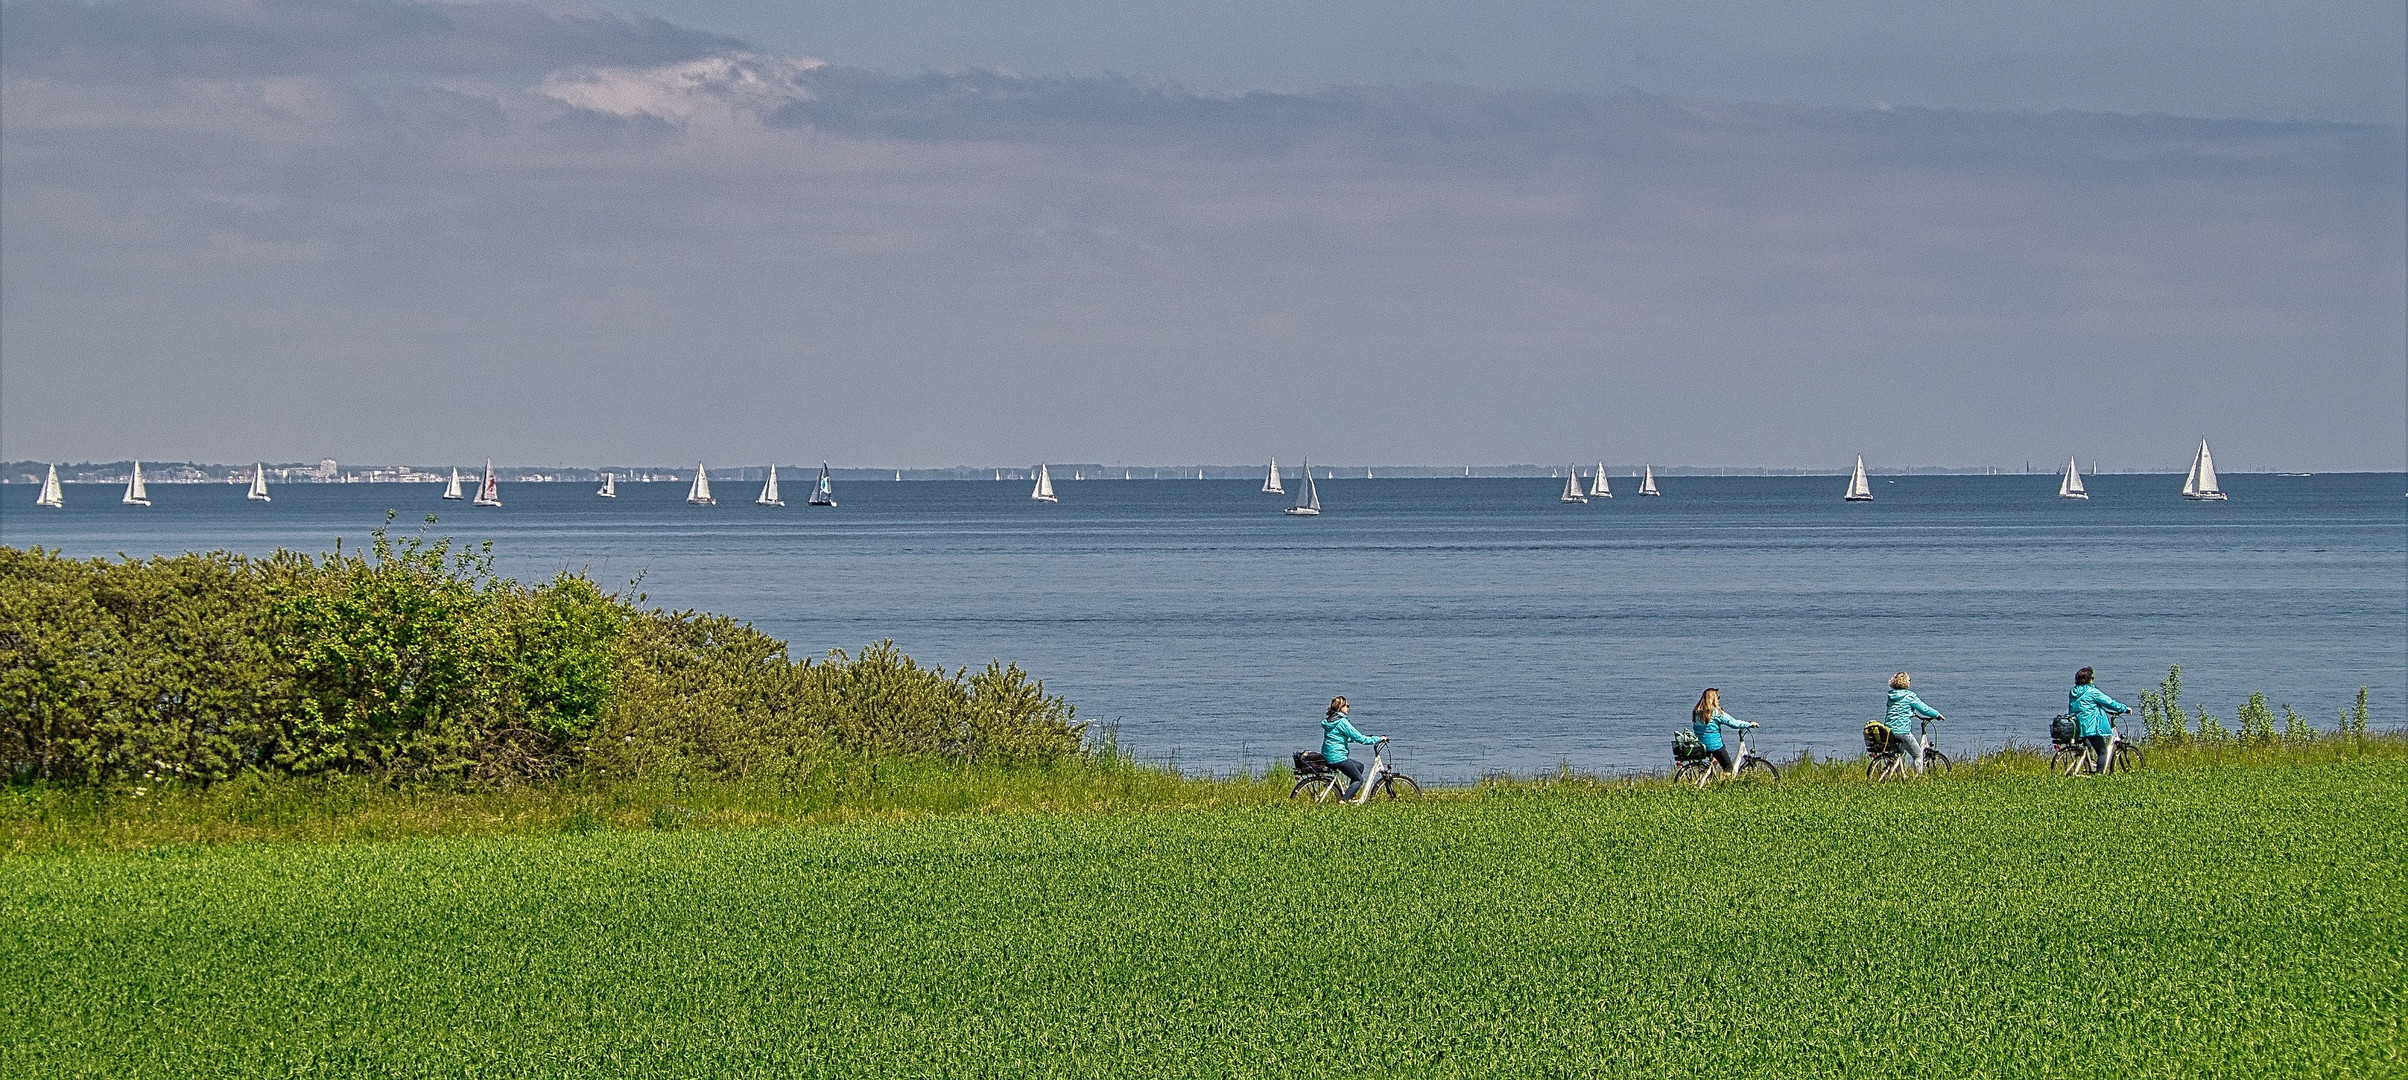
column 1315, row 788
column 2067, row 760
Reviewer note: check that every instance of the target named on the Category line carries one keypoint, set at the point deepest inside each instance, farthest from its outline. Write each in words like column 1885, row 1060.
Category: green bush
column 2257, row 720
column 413, row 659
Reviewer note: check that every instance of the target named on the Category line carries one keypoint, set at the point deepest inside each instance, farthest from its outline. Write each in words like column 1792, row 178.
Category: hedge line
column 413, row 659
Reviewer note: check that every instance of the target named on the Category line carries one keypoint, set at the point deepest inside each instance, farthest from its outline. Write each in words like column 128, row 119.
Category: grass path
column 2211, row 921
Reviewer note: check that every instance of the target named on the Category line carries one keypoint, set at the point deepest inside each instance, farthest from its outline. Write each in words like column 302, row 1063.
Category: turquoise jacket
column 2091, row 707
column 1710, row 732
column 1336, row 733
column 1904, row 708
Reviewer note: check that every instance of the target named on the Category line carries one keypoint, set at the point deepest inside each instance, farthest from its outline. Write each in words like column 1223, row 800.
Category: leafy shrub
column 2211, row 730
column 2161, row 710
column 2257, row 721
column 413, row 659
column 2296, row 727
column 2353, row 718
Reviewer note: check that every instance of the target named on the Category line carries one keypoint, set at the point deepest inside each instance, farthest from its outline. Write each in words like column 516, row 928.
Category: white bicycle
column 1320, row 781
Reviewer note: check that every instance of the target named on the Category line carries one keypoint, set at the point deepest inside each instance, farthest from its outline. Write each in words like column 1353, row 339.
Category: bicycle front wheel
column 1935, row 762
column 2127, row 758
column 1398, row 785
column 1757, row 769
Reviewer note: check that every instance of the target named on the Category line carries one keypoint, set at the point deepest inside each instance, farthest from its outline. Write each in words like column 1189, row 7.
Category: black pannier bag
column 1686, row 746
column 2063, row 730
column 1311, row 763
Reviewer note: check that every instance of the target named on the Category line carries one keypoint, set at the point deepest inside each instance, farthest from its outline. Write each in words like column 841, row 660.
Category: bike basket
column 1311, row 763
column 1687, row 747
column 2063, row 730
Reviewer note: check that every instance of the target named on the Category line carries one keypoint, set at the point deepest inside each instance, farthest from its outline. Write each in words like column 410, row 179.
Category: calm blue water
column 1484, row 624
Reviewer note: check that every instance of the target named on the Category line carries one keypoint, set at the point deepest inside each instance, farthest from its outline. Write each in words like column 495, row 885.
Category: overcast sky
column 919, row 233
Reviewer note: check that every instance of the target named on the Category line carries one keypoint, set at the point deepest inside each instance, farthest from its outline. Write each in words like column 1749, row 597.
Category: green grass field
column 2243, row 921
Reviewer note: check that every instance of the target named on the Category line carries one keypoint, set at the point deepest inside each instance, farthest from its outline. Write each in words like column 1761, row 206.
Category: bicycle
column 1320, row 781
column 2073, row 756
column 1886, row 758
column 1701, row 770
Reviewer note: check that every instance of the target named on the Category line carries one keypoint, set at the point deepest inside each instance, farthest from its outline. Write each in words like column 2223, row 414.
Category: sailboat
column 259, row 482
column 700, row 493
column 1597, row 486
column 1044, row 489
column 610, row 486
column 51, row 496
column 1859, row 490
column 1647, row 483
column 825, row 493
column 135, row 493
column 2070, row 487
column 452, row 490
column 2200, row 485
column 1308, row 500
column 489, row 493
column 1572, row 492
column 1271, row 485
column 769, row 491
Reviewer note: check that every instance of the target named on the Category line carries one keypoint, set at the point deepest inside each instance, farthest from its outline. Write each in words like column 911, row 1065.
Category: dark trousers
column 1354, row 771
column 1729, row 756
column 2098, row 752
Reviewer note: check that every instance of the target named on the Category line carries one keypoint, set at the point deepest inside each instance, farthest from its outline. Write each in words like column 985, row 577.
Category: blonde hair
column 1336, row 705
column 1708, row 704
column 1898, row 681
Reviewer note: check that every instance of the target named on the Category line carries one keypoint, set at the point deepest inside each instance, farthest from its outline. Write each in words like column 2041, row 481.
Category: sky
column 917, row 234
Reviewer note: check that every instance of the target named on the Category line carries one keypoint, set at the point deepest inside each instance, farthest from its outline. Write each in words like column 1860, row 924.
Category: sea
column 1486, row 626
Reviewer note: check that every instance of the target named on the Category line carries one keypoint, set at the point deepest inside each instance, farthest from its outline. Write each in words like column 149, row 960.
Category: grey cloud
column 348, row 38
column 806, row 259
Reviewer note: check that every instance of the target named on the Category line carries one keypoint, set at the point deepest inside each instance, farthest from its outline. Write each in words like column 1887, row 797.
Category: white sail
column 769, row 491
column 700, row 493
column 135, row 493
column 2070, row 485
column 1572, row 490
column 1598, row 489
column 489, row 493
column 610, row 486
column 51, row 495
column 259, row 483
column 1271, row 485
column 1859, row 489
column 1647, row 482
column 452, row 490
column 1043, row 492
column 1308, row 498
column 2201, row 483
column 825, row 493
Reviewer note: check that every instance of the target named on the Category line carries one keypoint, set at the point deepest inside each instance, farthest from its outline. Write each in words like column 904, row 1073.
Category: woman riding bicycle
column 1336, row 732
column 2094, row 711
column 1707, row 720
column 1900, row 717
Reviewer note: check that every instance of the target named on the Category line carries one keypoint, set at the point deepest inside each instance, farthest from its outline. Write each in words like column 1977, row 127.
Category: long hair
column 1708, row 704
column 1900, row 681
column 1336, row 705
column 2082, row 677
